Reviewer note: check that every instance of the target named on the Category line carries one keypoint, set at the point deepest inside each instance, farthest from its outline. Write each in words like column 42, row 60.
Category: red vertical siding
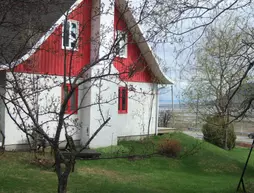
column 49, row 58
column 133, row 68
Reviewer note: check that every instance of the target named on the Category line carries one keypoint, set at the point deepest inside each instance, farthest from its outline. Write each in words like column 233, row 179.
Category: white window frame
column 69, row 47
column 123, row 50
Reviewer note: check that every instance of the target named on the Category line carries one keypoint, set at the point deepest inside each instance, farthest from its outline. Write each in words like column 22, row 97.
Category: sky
column 175, row 72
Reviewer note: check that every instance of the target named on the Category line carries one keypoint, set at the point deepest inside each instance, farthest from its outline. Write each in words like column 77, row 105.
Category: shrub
column 169, row 147
column 164, row 118
column 214, row 132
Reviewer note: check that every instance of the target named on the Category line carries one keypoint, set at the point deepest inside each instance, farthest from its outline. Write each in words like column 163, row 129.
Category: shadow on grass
column 40, row 161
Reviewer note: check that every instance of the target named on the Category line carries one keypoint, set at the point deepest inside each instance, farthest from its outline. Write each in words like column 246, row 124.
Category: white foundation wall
column 51, row 100
column 140, row 120
column 103, row 92
column 84, row 113
column 14, row 136
column 141, row 117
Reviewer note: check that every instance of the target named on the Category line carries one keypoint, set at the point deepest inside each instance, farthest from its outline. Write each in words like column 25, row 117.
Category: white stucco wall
column 135, row 122
column 141, row 111
column 12, row 133
column 141, row 107
column 48, row 100
column 107, row 91
column 84, row 113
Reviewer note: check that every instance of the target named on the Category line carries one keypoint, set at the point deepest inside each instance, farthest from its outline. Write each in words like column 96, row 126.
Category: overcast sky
column 175, row 72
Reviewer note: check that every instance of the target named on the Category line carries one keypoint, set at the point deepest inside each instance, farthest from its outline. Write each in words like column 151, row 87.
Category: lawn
column 209, row 170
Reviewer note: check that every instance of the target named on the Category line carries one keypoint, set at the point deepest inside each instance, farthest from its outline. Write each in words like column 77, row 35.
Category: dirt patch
column 212, row 167
column 47, row 172
column 110, row 174
column 242, row 144
column 230, row 168
column 44, row 164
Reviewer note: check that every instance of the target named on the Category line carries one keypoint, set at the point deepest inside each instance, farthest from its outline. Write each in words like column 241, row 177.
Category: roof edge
column 143, row 45
column 135, row 29
column 43, row 38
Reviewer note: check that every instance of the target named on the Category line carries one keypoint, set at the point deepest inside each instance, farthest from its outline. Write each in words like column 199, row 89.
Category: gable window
column 122, row 100
column 121, row 44
column 70, row 35
column 72, row 105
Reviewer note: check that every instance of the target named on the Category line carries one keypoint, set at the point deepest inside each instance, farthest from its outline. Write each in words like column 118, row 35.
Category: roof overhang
column 42, row 39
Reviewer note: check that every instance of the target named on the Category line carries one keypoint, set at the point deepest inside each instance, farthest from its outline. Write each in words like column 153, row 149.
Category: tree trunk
column 3, row 139
column 226, row 125
column 29, row 142
column 226, row 137
column 62, row 183
column 62, row 175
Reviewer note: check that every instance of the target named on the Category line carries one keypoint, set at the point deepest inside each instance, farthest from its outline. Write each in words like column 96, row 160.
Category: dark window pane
column 66, row 34
column 65, row 91
column 124, row 99
column 74, row 30
column 121, row 43
column 123, row 37
column 74, row 33
column 73, row 44
column 73, row 100
column 119, row 98
column 117, row 48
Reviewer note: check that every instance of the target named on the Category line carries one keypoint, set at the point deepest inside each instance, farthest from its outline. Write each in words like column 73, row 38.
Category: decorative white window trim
column 121, row 44
column 72, row 34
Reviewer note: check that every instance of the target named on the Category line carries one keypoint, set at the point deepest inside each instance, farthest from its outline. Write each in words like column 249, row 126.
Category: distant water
column 168, row 106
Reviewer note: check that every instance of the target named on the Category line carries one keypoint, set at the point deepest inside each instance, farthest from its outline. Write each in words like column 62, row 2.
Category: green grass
column 210, row 170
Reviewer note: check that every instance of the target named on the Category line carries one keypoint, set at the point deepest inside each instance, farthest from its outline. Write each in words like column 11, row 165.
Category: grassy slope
column 210, row 170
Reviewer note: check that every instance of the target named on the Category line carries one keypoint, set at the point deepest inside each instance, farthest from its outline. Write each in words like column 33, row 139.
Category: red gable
column 134, row 62
column 49, row 58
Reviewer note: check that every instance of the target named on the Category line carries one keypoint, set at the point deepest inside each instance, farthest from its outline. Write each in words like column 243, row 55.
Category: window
column 72, row 105
column 122, row 100
column 121, row 44
column 70, row 35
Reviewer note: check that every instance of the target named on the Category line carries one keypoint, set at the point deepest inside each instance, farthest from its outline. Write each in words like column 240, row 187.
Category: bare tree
column 164, row 118
column 222, row 65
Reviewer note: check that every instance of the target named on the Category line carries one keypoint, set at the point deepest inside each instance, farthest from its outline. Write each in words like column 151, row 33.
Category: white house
column 131, row 100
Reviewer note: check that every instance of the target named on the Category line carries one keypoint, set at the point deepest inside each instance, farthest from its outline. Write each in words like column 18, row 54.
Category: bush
column 169, row 147
column 164, row 118
column 214, row 132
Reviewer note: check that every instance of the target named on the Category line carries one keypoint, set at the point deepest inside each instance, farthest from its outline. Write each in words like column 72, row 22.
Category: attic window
column 70, row 35
column 121, row 44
